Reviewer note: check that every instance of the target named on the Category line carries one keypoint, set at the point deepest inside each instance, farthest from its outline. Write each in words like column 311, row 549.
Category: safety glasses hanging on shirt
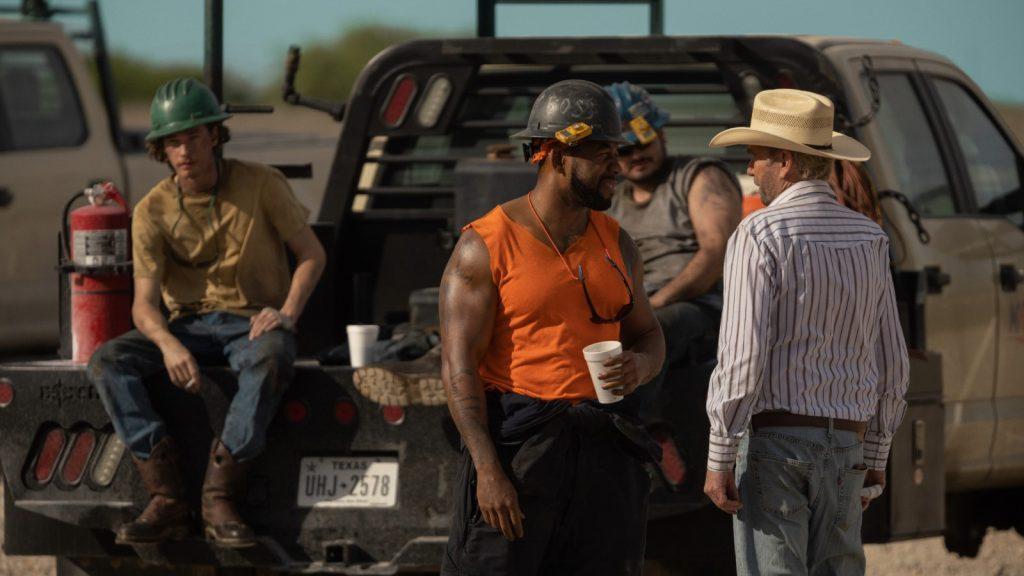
column 623, row 312
column 594, row 316
column 210, row 209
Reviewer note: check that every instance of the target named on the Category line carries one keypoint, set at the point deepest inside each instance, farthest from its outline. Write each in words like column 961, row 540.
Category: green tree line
column 328, row 69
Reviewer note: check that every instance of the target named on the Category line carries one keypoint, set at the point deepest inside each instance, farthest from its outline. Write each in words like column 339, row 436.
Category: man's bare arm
column 467, row 306
column 309, row 265
column 310, row 260
column 182, row 367
column 146, row 312
column 715, row 210
column 642, row 341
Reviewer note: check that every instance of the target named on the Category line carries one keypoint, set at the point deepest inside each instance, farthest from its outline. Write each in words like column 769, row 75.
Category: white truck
column 56, row 137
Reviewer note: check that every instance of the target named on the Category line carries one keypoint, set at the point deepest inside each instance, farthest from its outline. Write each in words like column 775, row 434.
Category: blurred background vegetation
column 328, row 69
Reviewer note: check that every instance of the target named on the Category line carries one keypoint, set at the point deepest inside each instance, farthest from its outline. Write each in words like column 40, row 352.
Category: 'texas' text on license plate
column 348, row 482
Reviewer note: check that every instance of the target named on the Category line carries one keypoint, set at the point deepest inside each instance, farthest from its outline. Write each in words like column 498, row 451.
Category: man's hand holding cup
column 615, row 373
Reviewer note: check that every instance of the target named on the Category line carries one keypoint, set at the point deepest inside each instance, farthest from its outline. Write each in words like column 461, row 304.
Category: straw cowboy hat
column 794, row 120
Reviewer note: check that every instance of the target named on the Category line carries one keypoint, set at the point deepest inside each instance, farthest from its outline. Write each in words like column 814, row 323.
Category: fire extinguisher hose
column 65, row 244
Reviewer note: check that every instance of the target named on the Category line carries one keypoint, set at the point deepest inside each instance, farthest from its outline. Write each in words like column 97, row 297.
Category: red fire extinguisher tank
column 101, row 277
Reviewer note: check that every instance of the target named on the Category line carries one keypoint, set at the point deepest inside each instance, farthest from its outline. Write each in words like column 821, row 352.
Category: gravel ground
column 22, row 565
column 1002, row 554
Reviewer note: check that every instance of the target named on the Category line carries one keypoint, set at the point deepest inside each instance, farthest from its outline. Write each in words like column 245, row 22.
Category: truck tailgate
column 338, row 484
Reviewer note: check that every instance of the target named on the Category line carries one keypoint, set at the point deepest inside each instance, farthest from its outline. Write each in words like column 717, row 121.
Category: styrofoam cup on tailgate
column 360, row 343
column 596, row 355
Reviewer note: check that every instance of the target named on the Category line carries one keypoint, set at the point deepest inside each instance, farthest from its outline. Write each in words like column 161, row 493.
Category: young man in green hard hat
column 210, row 240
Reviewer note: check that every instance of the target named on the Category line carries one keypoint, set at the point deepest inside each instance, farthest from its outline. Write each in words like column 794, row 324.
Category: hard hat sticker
column 644, row 133
column 639, row 109
column 574, row 133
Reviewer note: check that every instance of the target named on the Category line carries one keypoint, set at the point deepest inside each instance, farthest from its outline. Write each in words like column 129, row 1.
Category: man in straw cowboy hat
column 812, row 364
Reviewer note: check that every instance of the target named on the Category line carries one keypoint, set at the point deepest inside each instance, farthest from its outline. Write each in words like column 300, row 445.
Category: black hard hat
column 569, row 102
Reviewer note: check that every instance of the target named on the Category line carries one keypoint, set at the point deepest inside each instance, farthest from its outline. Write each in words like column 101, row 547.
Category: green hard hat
column 181, row 104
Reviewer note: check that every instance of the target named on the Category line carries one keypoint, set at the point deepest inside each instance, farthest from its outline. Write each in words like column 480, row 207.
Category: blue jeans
column 800, row 489
column 264, row 366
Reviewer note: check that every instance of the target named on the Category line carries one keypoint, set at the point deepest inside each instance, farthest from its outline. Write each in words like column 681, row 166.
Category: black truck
column 349, row 486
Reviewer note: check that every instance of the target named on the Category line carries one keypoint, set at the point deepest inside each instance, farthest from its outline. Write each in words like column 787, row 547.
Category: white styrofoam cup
column 596, row 355
column 360, row 343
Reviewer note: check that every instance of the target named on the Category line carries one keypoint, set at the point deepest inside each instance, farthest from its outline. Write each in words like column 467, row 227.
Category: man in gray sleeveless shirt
column 680, row 212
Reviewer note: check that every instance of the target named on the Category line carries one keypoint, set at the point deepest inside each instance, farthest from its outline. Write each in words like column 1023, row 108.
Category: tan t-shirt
column 226, row 255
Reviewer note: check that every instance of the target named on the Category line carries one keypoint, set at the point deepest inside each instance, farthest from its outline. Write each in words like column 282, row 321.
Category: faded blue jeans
column 801, row 515
column 264, row 367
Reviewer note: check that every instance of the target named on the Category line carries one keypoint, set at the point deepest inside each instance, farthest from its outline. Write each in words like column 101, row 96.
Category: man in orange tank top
column 552, row 482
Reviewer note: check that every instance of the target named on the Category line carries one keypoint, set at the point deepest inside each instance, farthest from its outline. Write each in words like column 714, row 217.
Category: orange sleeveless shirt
column 542, row 321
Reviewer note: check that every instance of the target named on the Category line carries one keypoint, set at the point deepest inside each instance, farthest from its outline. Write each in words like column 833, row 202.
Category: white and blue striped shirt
column 810, row 324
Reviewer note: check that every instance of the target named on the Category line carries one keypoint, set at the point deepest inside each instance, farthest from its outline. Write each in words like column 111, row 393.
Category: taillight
column 344, row 412
column 49, row 452
column 397, row 104
column 105, row 467
column 6, row 393
column 82, row 445
column 439, row 89
column 393, row 415
column 295, row 411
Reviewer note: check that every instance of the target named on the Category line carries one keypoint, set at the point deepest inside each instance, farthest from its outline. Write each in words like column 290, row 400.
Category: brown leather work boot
column 396, row 383
column 223, row 485
column 167, row 516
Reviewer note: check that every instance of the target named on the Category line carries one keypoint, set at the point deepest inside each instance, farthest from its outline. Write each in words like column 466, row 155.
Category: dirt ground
column 1002, row 554
column 22, row 566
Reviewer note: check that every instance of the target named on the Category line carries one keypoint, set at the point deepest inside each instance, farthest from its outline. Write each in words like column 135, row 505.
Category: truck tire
column 965, row 529
column 965, row 541
column 696, row 543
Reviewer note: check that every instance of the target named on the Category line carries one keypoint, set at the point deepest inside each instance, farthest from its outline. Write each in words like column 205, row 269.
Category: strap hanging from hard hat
column 210, row 207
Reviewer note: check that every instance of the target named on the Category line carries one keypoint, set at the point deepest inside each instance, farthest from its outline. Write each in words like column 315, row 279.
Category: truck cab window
column 911, row 144
column 992, row 164
column 38, row 103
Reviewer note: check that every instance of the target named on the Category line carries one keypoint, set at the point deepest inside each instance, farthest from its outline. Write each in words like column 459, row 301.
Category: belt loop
column 831, row 428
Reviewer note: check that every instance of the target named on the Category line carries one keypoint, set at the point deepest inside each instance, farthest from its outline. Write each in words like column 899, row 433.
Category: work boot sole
column 211, row 536
column 174, row 532
column 390, row 388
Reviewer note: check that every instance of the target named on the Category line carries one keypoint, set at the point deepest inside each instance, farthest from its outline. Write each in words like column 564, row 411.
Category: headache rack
column 420, row 108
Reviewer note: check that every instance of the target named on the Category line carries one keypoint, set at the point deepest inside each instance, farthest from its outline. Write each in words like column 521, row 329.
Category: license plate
column 348, row 482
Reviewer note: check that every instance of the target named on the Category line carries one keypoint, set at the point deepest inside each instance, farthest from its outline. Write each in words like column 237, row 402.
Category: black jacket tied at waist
column 535, row 424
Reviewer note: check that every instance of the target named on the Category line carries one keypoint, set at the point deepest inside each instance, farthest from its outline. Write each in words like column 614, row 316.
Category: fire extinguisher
column 97, row 254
